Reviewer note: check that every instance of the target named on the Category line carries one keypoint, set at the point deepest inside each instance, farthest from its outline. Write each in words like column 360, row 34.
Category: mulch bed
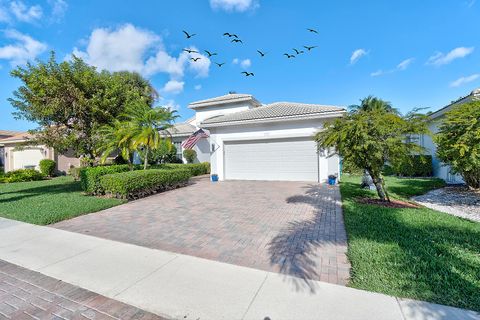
column 398, row 204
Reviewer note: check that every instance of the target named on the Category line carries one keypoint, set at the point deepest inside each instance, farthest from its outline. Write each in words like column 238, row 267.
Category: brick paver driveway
column 295, row 228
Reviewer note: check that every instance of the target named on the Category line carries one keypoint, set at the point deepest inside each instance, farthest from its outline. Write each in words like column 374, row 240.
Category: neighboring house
column 17, row 155
column 5, row 134
column 251, row 141
column 441, row 170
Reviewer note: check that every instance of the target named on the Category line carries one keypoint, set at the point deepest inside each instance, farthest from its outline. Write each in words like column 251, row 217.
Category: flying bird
column 190, row 51
column 195, row 59
column 247, row 74
column 262, row 54
column 230, row 35
column 219, row 64
column 312, row 30
column 237, row 40
column 309, row 48
column 210, row 53
column 188, row 35
column 298, row 51
column 289, row 55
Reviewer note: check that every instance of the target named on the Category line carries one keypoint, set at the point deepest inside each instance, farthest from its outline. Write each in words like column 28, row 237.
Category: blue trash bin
column 214, row 177
column 332, row 180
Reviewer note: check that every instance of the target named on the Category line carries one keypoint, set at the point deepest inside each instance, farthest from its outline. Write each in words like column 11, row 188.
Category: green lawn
column 416, row 253
column 48, row 201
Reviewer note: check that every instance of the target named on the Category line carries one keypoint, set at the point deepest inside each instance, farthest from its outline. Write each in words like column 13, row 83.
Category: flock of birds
column 235, row 39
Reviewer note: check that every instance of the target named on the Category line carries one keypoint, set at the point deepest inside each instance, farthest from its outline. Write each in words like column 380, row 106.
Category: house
column 17, row 155
column 5, row 134
column 441, row 170
column 253, row 141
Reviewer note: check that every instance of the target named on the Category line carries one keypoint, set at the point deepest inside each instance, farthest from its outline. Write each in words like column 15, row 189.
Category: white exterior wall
column 29, row 155
column 286, row 129
column 203, row 113
column 440, row 170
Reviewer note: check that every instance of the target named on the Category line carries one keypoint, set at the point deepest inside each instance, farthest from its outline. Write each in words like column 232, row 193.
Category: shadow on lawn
column 57, row 188
column 294, row 250
column 432, row 256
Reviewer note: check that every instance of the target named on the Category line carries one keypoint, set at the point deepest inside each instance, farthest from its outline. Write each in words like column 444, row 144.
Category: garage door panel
column 27, row 158
column 276, row 159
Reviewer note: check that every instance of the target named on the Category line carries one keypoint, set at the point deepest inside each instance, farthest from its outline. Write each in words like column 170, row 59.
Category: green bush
column 189, row 155
column 90, row 176
column 415, row 166
column 22, row 175
column 47, row 167
column 196, row 169
column 140, row 183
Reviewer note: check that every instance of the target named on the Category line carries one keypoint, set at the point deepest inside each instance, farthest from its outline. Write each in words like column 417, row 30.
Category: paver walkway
column 184, row 287
column 294, row 228
column 25, row 294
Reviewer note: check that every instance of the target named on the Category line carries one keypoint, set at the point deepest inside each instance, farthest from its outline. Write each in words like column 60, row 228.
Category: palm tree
column 116, row 137
column 148, row 126
column 372, row 103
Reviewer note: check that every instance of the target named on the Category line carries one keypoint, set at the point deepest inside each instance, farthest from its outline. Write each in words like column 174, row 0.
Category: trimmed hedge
column 140, row 183
column 416, row 166
column 90, row 177
column 22, row 175
column 196, row 169
column 47, row 167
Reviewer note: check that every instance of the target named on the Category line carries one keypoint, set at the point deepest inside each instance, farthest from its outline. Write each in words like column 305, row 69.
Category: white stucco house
column 253, row 141
column 441, row 170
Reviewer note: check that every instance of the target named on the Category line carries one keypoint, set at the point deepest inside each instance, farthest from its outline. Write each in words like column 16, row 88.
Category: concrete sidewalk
column 179, row 286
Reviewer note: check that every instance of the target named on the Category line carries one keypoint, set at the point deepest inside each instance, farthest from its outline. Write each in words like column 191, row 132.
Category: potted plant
column 332, row 179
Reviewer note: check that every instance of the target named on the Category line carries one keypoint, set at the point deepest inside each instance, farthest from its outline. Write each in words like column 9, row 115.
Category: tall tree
column 148, row 127
column 372, row 134
column 458, row 142
column 70, row 100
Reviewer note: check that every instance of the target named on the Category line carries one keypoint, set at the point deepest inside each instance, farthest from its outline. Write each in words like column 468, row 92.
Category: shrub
column 137, row 184
column 22, row 175
column 195, row 169
column 189, row 155
column 415, row 166
column 90, row 176
column 458, row 142
column 47, row 167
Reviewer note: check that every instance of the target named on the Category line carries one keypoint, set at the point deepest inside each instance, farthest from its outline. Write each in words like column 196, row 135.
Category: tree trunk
column 380, row 186
column 145, row 161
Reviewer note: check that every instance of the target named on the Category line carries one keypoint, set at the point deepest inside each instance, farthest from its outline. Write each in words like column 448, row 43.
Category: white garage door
column 27, row 158
column 274, row 159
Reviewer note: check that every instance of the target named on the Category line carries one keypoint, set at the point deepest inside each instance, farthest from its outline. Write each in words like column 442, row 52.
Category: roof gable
column 228, row 98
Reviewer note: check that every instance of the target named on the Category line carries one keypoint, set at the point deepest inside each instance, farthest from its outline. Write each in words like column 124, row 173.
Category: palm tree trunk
column 145, row 161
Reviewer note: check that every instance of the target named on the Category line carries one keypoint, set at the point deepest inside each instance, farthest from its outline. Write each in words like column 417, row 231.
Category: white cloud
column 400, row 67
column 23, row 49
column 234, row 5
column 377, row 73
column 405, row 64
column 246, row 63
column 59, row 7
column 169, row 103
column 440, row 58
column 198, row 87
column 173, row 87
column 24, row 13
column 133, row 49
column 357, row 54
column 464, row 80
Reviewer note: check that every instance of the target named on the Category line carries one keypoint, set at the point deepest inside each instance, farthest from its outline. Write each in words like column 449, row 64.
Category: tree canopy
column 371, row 135
column 70, row 100
column 458, row 142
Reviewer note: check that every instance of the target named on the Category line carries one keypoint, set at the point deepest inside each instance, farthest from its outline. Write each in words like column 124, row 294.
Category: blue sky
column 411, row 53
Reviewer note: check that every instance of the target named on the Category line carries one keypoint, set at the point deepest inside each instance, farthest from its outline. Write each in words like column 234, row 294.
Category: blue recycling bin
column 332, row 180
column 214, row 177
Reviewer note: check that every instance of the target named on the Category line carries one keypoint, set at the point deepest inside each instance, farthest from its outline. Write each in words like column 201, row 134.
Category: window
column 178, row 147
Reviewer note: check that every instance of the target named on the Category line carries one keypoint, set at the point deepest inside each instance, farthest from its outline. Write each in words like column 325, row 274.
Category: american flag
column 193, row 139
